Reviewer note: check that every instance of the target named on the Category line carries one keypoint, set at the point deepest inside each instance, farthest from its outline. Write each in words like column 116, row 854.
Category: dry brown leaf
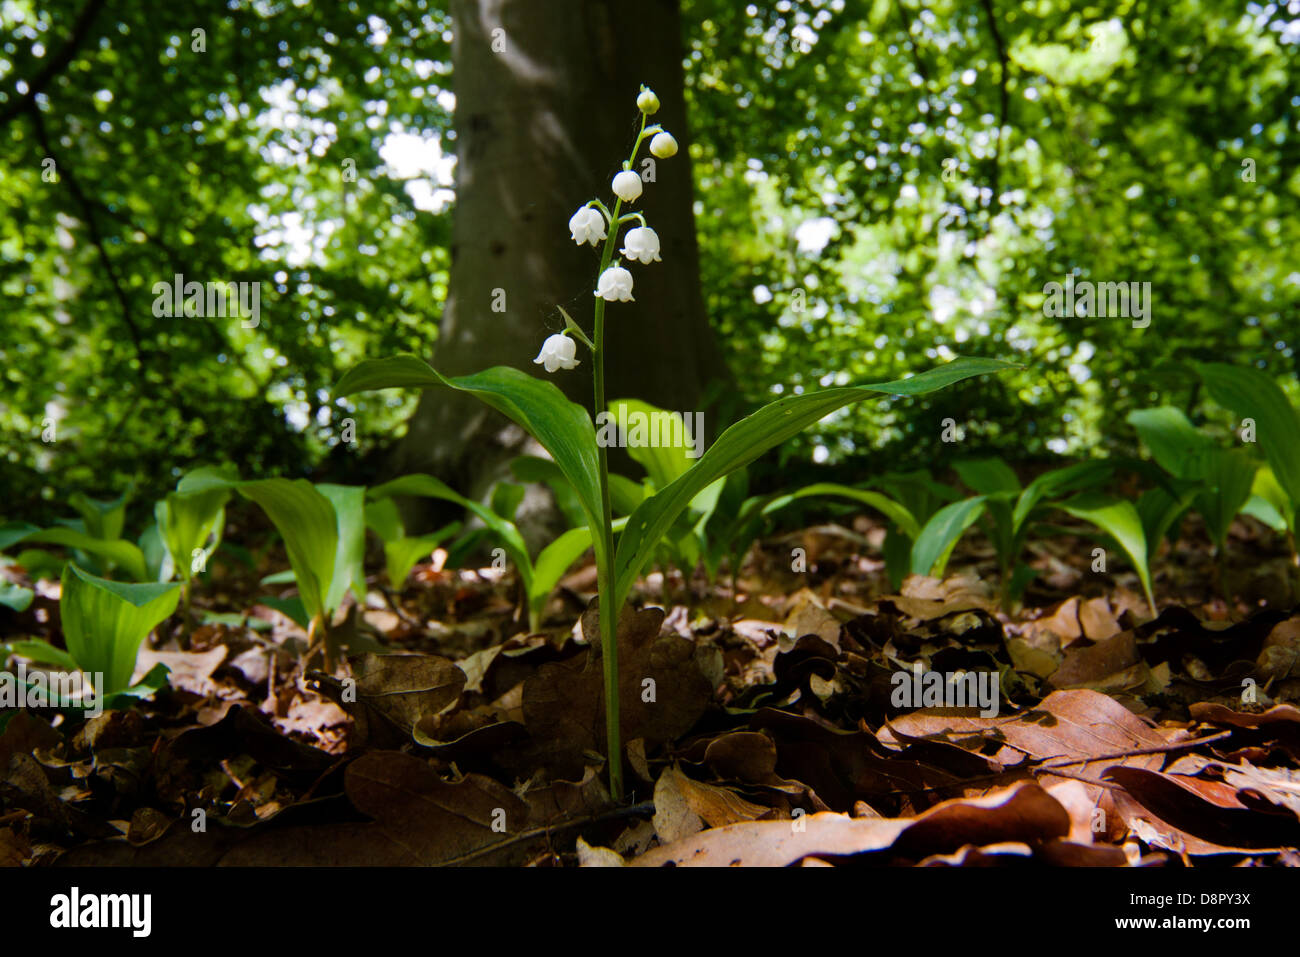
column 662, row 693
column 1023, row 812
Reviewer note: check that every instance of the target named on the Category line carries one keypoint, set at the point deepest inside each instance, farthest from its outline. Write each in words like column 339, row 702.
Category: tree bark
column 541, row 127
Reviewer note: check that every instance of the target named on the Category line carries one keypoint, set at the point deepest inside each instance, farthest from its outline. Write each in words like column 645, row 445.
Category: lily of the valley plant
column 566, row 429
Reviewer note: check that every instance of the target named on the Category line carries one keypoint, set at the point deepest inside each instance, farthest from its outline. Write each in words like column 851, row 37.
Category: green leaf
column 1177, row 446
column 892, row 510
column 401, row 554
column 292, row 608
column 1228, row 479
column 384, row 519
column 654, row 438
column 1120, row 520
column 1071, row 478
column 186, row 522
column 940, row 534
column 11, row 533
column 626, row 495
column 42, row 653
column 349, row 503
column 102, row 519
column 562, row 427
column 751, row 437
column 1252, row 394
column 987, row 476
column 917, row 491
column 307, row 522
column 506, row 498
column 157, row 559
column 15, row 596
column 556, row 559
column 1159, row 510
column 1268, row 502
column 104, row 623
column 430, row 487
column 126, row 555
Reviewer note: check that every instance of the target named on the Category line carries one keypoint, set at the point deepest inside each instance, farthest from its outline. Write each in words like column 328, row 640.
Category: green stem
column 608, row 615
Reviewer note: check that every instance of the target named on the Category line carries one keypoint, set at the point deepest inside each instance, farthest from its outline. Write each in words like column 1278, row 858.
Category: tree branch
column 1004, row 101
column 57, row 63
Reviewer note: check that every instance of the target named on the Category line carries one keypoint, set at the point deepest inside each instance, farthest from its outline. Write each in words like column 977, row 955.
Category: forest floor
column 760, row 726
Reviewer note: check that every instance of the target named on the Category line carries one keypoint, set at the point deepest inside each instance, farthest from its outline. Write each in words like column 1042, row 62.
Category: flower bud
column 615, row 285
column 641, row 244
column 558, row 352
column 627, row 185
column 647, row 102
column 663, row 145
column 587, row 225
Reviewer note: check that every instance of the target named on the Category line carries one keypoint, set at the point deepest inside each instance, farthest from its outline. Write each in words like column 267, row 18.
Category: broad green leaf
column 292, row 608
column 1159, row 510
column 1071, row 478
column 401, row 554
column 1268, row 491
column 506, row 498
column 626, row 495
column 186, row 523
column 1118, row 519
column 562, row 427
column 42, row 653
column 936, row 540
column 1265, row 512
column 306, row 521
column 751, row 437
column 384, row 519
column 556, row 559
column 104, row 623
column 654, row 438
column 125, row 555
column 1228, row 478
column 349, row 502
column 1177, row 446
column 157, row 559
column 897, row 551
column 987, row 476
column 41, row 565
column 917, row 491
column 1252, row 394
column 11, row 533
column 15, row 596
column 892, row 510
column 430, row 487
column 102, row 519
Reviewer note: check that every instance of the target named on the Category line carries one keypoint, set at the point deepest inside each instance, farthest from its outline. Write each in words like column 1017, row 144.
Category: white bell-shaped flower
column 641, row 244
column 558, row 352
column 587, row 225
column 627, row 185
column 663, row 145
column 615, row 285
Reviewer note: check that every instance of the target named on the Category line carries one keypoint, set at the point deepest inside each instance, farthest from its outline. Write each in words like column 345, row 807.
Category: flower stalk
column 590, row 225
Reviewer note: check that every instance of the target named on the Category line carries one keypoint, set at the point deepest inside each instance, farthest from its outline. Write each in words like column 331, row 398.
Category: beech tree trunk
column 545, row 115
